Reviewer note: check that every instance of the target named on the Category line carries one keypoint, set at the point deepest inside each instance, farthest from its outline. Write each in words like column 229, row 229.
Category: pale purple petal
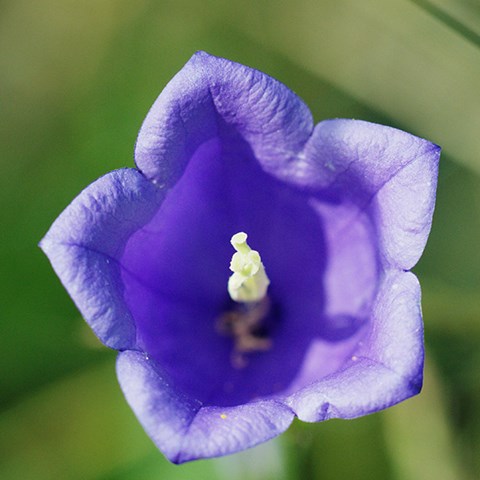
column 183, row 428
column 386, row 172
column 352, row 265
column 211, row 98
column 86, row 241
column 384, row 368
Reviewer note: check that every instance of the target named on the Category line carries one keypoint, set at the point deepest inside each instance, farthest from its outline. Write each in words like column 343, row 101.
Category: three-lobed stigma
column 249, row 282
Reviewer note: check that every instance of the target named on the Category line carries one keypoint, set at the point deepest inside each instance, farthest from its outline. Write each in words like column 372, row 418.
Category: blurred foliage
column 76, row 79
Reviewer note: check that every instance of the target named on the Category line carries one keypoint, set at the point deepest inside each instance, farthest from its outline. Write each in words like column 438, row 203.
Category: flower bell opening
column 247, row 287
column 337, row 334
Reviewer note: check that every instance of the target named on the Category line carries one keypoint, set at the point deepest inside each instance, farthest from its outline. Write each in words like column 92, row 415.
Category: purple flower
column 339, row 213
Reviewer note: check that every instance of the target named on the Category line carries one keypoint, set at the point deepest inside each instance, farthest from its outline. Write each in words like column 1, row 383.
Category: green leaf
column 337, row 449
column 419, row 435
column 395, row 57
column 82, row 428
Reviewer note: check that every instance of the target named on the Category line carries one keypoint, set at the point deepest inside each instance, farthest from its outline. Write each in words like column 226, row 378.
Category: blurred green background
column 76, row 80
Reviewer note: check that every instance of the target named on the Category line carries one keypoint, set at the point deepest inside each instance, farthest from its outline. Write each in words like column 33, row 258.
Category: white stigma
column 249, row 281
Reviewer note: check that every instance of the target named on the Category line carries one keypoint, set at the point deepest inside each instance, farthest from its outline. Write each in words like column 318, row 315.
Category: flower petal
column 351, row 275
column 209, row 97
column 86, row 241
column 385, row 368
column 390, row 173
column 184, row 430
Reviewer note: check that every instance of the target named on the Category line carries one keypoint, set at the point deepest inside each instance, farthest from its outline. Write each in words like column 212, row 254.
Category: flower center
column 247, row 287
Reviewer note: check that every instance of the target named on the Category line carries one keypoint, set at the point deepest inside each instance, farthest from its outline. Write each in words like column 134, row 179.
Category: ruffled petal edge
column 387, row 366
column 208, row 94
column 184, row 429
column 84, row 245
column 389, row 173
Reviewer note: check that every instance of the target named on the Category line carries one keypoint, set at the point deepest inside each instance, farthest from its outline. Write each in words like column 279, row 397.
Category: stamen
column 243, row 324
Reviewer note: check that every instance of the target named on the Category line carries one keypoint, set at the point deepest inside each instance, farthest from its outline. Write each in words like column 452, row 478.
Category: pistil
column 247, row 287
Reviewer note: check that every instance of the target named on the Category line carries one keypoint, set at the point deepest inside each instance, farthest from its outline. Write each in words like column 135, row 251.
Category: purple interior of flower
column 176, row 271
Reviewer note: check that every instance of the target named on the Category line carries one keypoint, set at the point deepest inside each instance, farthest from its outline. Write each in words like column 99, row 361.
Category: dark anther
column 244, row 325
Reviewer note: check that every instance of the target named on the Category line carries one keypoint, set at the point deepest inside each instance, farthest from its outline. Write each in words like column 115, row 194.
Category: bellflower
column 336, row 215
